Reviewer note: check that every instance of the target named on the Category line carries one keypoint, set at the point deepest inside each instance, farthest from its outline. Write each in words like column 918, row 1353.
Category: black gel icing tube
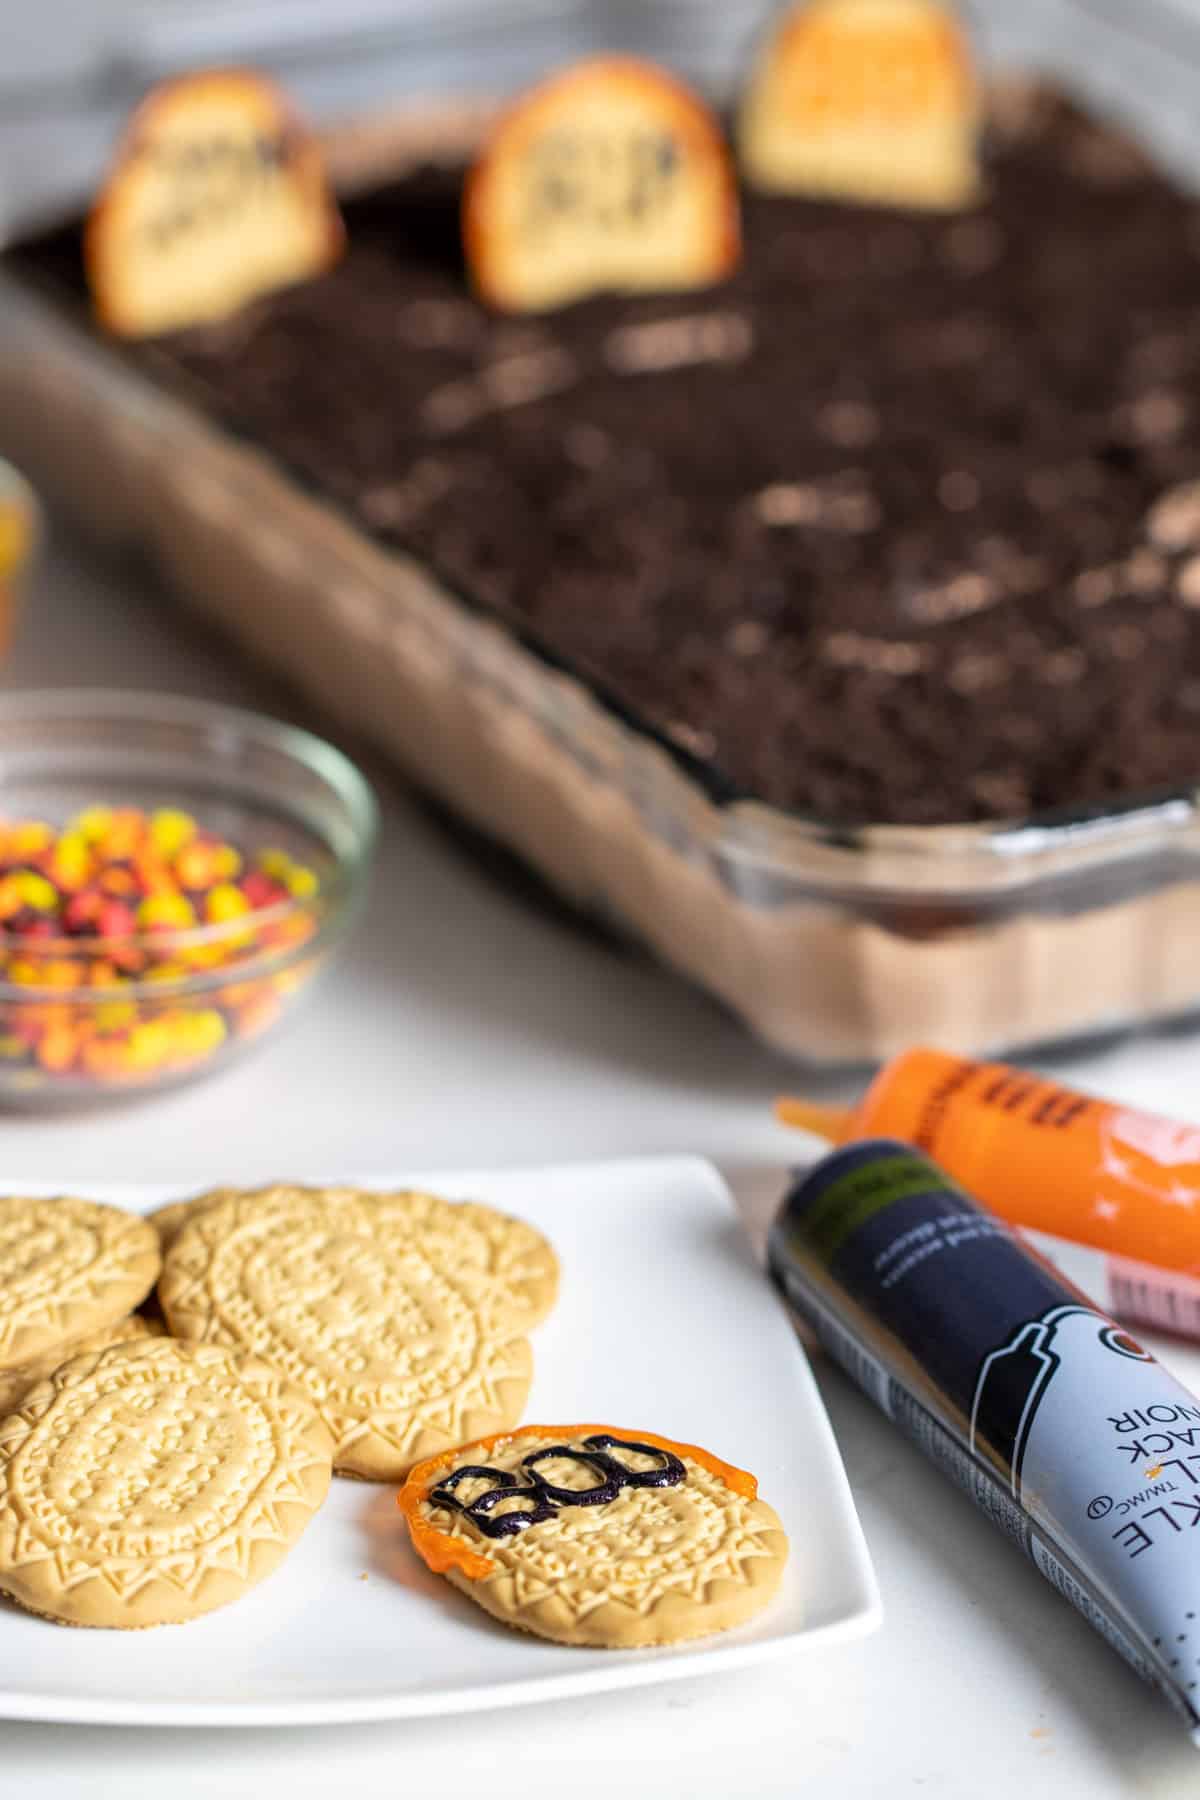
column 1071, row 1438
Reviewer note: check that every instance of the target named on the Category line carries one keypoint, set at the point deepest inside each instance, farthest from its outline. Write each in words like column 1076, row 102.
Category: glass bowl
column 160, row 972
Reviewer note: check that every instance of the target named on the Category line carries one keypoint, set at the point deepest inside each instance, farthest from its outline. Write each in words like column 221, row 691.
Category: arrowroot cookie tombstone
column 591, row 1535
column 153, row 1482
column 217, row 194
column 403, row 1351
column 610, row 174
column 68, row 1267
column 867, row 100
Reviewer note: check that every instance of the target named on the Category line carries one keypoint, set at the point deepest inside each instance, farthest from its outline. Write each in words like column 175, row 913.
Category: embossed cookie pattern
column 516, row 1261
column 405, row 1348
column 510, row 1259
column 153, row 1482
column 169, row 1220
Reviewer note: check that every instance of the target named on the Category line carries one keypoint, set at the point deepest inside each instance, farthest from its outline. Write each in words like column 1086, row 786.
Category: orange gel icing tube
column 1109, row 1194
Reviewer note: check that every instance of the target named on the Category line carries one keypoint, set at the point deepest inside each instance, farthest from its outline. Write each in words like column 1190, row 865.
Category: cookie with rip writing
column 590, row 1535
column 610, row 175
column 218, row 193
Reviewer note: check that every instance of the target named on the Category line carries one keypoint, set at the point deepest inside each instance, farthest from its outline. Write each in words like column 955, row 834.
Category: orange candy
column 57, row 1048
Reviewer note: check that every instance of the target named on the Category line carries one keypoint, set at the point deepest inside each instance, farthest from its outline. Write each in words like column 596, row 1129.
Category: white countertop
column 472, row 1023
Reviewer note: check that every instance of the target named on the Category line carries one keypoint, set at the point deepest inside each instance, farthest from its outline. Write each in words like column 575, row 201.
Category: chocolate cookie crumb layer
column 902, row 524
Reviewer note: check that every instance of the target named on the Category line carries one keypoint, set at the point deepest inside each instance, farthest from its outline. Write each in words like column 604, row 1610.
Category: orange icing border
column 440, row 1551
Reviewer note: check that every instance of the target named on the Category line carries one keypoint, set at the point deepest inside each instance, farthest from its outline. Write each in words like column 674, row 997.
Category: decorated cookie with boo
column 589, row 1534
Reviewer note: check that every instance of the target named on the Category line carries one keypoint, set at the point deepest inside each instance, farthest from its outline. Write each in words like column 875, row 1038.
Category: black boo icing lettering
column 540, row 1498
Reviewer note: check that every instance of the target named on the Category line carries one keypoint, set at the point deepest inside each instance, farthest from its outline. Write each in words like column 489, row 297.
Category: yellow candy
column 227, row 862
column 72, row 861
column 225, row 902
column 25, row 972
column 174, row 911
column 115, row 1015
column 92, row 824
column 275, row 863
column 35, row 890
column 149, row 1044
column 170, row 830
column 199, row 1033
column 302, row 883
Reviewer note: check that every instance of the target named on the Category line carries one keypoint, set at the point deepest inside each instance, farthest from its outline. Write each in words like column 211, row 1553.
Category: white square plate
column 665, row 1323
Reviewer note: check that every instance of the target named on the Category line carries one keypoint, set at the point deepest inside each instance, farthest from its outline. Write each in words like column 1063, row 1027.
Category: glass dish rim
column 329, row 907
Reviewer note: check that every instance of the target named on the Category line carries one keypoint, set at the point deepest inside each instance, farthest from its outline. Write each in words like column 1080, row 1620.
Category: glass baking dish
column 838, row 946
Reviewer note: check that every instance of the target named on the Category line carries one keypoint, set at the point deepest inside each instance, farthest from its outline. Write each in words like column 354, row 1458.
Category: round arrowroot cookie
column 592, row 1535
column 404, row 1349
column 67, row 1268
column 153, row 1482
column 511, row 1259
column 170, row 1219
column 508, row 1258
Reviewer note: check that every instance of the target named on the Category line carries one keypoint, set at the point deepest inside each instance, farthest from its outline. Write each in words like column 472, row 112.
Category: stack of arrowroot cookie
column 156, row 1465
